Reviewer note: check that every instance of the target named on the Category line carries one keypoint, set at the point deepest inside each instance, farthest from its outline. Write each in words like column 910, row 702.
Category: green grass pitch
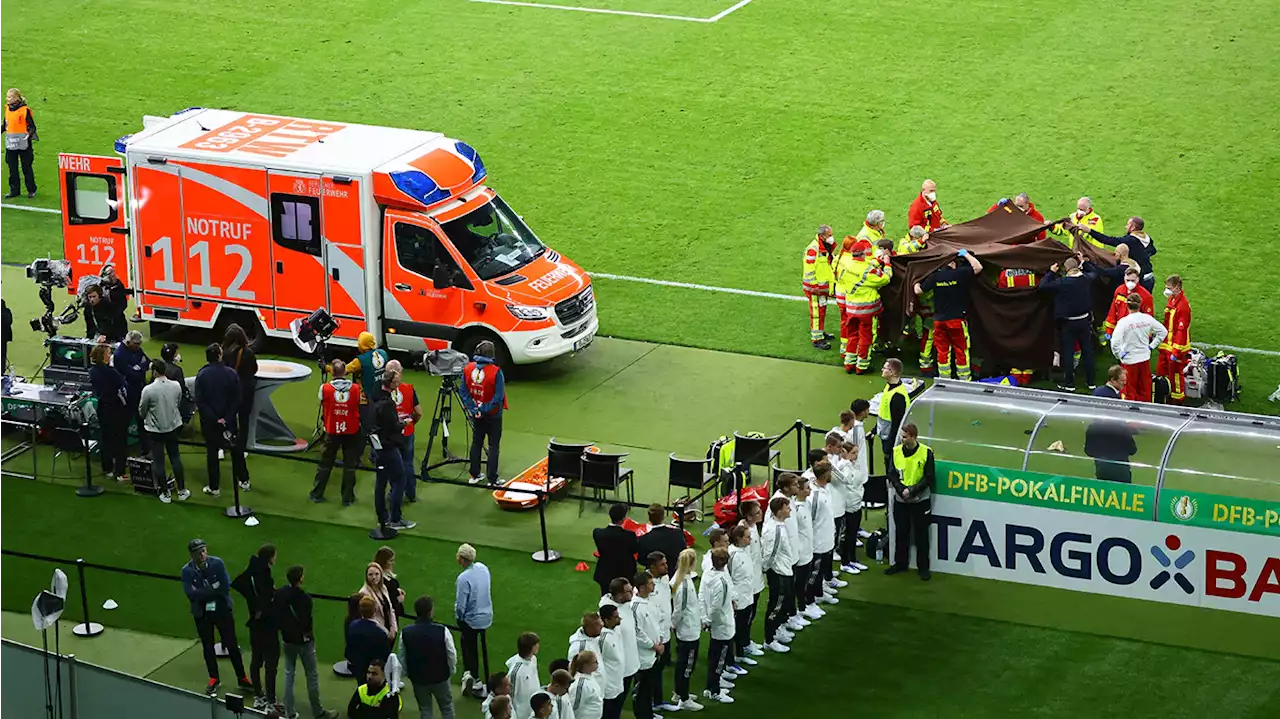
column 708, row 153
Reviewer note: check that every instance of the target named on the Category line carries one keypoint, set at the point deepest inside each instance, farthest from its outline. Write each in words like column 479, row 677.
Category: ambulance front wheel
column 468, row 341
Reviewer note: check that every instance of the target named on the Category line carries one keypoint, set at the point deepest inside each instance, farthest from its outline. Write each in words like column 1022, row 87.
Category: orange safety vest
column 15, row 121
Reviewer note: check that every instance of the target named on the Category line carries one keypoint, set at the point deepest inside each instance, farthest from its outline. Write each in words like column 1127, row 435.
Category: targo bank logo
column 1118, row 561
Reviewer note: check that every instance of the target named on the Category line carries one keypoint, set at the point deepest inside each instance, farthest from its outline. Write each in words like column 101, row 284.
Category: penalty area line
column 605, row 11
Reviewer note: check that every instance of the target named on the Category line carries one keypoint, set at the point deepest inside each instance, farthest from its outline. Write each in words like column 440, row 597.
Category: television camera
column 49, row 274
column 448, row 365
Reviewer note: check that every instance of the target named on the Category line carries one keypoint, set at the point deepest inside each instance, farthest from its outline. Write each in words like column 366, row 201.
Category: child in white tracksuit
column 849, row 471
column 522, row 671
column 620, row 594
column 741, row 572
column 824, row 534
column 585, row 693
column 752, row 515
column 803, row 513
column 779, row 560
column 686, row 620
column 717, row 608
column 612, row 662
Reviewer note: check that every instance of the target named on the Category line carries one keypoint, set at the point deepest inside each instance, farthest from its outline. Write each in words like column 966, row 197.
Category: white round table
column 267, row 431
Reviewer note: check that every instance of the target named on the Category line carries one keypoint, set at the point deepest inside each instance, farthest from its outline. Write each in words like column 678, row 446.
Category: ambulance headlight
column 524, row 312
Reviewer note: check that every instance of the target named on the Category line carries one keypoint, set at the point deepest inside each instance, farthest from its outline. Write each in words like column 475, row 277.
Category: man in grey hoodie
column 159, row 407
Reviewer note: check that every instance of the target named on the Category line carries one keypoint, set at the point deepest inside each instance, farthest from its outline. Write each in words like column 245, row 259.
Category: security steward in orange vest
column 340, row 410
column 912, row 478
column 484, row 392
column 19, row 129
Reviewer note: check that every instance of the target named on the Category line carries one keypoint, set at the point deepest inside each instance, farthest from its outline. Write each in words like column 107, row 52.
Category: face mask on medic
column 1131, row 283
column 1168, row 292
column 930, row 196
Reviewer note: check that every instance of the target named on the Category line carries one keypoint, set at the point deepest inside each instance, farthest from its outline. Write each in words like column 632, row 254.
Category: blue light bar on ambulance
column 121, row 142
column 419, row 186
column 473, row 157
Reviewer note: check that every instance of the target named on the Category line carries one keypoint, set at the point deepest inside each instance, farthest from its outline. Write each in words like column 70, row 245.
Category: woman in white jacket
column 585, row 694
column 686, row 620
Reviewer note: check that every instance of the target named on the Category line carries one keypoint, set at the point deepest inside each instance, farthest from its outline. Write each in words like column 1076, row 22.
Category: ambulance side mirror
column 441, row 277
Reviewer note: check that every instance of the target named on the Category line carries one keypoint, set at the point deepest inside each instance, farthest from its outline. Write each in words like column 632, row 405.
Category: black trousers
column 245, row 416
column 742, row 630
column 264, row 645
column 1116, row 470
column 911, row 526
column 352, row 446
column 211, row 431
column 822, row 572
column 717, row 658
column 642, row 705
column 801, row 574
column 886, row 448
column 13, row 158
column 1071, row 332
column 686, row 660
column 849, row 544
column 490, row 427
column 226, row 627
column 779, row 588
column 113, row 447
column 471, row 650
column 613, row 707
column 659, row 668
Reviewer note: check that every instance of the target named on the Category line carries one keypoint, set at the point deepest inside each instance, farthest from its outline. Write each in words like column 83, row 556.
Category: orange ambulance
column 218, row 216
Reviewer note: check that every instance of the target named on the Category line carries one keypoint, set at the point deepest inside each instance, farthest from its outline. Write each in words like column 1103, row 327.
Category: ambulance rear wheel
column 468, row 341
column 248, row 321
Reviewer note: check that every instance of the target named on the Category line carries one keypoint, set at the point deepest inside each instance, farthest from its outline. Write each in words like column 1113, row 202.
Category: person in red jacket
column 340, row 412
column 484, row 392
column 924, row 208
column 1120, row 301
column 1022, row 203
column 1174, row 349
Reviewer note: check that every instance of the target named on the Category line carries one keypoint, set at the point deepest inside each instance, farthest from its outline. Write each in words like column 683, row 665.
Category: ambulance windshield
column 493, row 239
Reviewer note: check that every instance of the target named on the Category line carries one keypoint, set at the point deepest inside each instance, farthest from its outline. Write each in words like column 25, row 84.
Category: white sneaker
column 260, row 704
column 828, row 599
column 863, row 533
column 797, row 623
column 245, row 486
column 852, row 569
column 781, row 638
column 754, row 650
column 668, row 707
column 184, row 495
column 837, row 583
column 754, row 645
column 221, row 455
column 778, row 647
column 475, row 480
column 688, row 704
column 813, row 612
column 212, row 492
column 737, row 669
column 164, row 497
column 723, row 697
column 858, row 542
column 728, row 677
column 860, row 566
column 748, row 660
column 468, row 682
column 836, row 556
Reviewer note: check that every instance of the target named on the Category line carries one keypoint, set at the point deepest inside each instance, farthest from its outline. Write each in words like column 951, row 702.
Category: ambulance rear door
column 297, row 247
column 341, row 220
column 94, row 219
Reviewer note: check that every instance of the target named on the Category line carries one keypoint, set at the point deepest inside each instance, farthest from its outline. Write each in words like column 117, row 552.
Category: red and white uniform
column 405, row 398
column 1173, row 351
column 1120, row 306
column 925, row 213
column 340, row 407
column 1010, row 279
column 1031, row 212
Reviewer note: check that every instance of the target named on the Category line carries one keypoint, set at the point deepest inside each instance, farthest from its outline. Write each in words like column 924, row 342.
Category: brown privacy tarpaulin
column 1008, row 327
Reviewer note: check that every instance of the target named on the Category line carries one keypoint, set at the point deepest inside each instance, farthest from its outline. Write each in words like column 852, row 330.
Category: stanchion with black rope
column 89, row 489
column 546, row 555
column 86, row 628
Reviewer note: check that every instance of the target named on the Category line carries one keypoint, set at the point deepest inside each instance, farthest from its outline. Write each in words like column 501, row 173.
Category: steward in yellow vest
column 912, row 478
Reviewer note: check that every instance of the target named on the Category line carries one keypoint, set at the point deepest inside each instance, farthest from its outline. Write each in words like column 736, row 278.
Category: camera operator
column 133, row 363
column 102, row 320
column 6, row 326
column 340, row 411
column 484, row 393
column 218, row 399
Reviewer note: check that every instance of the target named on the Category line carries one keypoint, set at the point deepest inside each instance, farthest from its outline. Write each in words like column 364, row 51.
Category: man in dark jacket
column 1141, row 248
column 661, row 537
column 1073, row 311
column 218, row 399
column 171, row 353
column 389, row 431
column 102, row 319
column 6, row 327
column 133, row 363
column 259, row 589
column 426, row 652
column 292, row 607
column 1110, row 442
column 207, row 585
column 617, row 549
column 366, row 640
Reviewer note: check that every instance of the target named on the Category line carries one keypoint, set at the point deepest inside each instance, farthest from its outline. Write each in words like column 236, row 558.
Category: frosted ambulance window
column 91, row 198
column 295, row 222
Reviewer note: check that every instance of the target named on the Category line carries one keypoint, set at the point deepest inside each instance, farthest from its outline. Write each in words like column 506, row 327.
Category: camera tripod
column 440, row 418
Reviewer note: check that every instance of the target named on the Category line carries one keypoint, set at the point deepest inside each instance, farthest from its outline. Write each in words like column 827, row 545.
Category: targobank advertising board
column 1117, row 550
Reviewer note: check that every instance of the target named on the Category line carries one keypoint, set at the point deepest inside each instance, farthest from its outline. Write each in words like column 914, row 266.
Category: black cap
column 195, row 544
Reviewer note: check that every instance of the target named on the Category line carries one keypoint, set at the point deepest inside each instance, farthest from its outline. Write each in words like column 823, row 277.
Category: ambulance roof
column 288, row 143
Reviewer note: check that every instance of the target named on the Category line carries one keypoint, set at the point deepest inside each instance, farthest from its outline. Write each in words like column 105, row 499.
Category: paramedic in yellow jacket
column 873, row 228
column 860, row 280
column 818, row 283
column 920, row 323
column 1078, row 223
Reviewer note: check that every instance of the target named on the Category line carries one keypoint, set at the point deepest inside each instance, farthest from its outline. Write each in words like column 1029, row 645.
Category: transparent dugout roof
column 1035, row 430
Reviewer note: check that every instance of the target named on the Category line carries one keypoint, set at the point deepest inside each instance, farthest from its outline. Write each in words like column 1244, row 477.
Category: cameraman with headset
column 484, row 393
column 105, row 303
column 218, row 399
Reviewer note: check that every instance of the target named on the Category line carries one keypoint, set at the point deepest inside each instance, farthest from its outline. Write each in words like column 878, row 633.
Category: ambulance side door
column 341, row 221
column 297, row 245
column 94, row 221
column 416, row 313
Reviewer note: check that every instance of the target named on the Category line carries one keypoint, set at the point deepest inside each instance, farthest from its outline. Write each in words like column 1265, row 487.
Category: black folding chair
column 689, row 474
column 775, row 472
column 748, row 451
column 565, row 460
column 604, row 473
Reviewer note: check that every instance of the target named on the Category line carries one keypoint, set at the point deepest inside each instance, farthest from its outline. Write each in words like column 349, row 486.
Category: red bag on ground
column 726, row 511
